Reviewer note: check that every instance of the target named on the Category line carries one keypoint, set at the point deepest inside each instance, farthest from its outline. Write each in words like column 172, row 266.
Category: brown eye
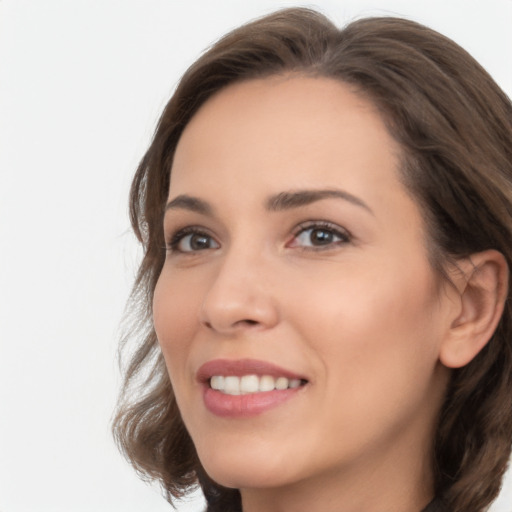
column 320, row 236
column 192, row 242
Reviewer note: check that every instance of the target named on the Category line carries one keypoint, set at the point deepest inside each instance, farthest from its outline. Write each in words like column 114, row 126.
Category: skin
column 363, row 317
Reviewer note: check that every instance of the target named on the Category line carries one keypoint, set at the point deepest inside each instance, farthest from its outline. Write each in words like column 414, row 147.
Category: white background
column 81, row 85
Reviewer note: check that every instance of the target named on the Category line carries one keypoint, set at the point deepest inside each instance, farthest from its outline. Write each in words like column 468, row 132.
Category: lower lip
column 245, row 406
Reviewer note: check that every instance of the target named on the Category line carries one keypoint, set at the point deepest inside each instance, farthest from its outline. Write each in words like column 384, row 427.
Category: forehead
column 286, row 132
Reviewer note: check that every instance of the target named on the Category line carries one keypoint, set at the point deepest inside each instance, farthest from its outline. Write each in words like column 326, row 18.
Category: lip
column 240, row 367
column 251, row 404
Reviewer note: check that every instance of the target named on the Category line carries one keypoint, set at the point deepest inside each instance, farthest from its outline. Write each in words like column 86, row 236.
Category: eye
column 319, row 235
column 191, row 240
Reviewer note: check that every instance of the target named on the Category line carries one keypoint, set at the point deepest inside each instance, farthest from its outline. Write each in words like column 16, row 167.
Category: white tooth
column 267, row 383
column 217, row 382
column 282, row 383
column 249, row 384
column 294, row 383
column 232, row 385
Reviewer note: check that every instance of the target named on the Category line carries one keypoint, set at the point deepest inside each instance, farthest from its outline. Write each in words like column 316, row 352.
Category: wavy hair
column 454, row 126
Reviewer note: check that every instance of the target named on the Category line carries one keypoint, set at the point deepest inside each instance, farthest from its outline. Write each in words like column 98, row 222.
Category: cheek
column 375, row 346
column 373, row 331
column 380, row 301
column 175, row 313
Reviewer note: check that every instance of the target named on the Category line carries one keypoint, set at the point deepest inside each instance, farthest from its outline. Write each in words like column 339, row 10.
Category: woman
column 326, row 223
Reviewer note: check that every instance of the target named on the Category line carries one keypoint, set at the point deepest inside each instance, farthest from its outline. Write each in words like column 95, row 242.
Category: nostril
column 247, row 322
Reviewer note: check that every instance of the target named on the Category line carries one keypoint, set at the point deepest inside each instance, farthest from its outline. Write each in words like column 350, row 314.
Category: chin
column 249, row 468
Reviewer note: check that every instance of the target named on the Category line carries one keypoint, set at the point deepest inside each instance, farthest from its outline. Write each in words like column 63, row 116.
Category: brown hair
column 455, row 127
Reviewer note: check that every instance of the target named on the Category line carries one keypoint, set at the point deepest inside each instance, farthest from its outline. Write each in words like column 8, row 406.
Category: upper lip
column 241, row 367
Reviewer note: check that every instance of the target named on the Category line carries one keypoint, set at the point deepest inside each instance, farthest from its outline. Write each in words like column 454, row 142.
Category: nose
column 240, row 296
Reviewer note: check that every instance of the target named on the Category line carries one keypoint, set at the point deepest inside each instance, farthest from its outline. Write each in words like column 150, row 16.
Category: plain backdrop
column 82, row 83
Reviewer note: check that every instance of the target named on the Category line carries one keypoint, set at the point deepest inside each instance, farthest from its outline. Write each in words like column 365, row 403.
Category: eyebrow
column 296, row 199
column 193, row 204
column 276, row 203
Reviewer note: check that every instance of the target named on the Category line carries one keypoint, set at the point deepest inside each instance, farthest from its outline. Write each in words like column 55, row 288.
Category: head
column 444, row 132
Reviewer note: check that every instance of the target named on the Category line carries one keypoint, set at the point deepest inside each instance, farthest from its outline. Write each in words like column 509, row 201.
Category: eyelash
column 343, row 235
column 178, row 236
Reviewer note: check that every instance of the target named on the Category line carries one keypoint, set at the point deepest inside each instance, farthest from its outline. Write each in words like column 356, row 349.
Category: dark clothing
column 434, row 506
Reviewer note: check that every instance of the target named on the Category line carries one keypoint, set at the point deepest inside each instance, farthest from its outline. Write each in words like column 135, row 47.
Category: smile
column 234, row 385
column 247, row 387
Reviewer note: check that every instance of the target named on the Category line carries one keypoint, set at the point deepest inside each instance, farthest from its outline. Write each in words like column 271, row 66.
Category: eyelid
column 178, row 234
column 345, row 236
column 175, row 236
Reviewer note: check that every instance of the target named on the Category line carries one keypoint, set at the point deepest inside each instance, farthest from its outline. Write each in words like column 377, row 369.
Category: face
column 297, row 312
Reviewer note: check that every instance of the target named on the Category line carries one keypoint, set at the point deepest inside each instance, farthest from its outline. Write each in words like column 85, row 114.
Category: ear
column 482, row 284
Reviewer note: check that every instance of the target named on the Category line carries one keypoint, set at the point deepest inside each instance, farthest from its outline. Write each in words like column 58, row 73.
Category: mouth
column 247, row 384
column 246, row 387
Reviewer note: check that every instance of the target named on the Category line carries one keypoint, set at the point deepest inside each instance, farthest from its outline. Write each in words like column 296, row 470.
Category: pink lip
column 243, row 406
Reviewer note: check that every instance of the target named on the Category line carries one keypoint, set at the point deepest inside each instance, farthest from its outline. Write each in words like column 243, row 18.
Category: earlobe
column 482, row 282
